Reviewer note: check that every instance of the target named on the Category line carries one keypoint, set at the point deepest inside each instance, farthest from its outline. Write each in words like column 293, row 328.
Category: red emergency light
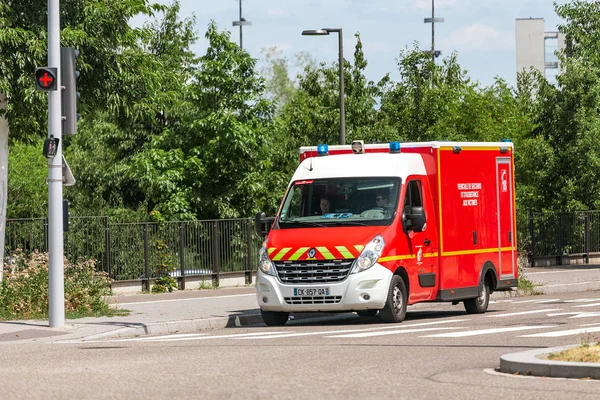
column 45, row 79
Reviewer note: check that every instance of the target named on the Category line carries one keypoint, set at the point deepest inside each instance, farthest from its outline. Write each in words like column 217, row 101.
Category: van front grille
column 310, row 272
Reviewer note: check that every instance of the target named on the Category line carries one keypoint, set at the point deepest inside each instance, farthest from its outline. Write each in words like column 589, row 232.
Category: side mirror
column 413, row 219
column 262, row 224
column 418, row 219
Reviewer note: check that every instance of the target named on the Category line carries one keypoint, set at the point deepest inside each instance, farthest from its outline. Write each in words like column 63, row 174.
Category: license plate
column 311, row 291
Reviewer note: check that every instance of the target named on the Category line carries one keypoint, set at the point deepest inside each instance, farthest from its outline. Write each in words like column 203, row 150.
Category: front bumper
column 361, row 291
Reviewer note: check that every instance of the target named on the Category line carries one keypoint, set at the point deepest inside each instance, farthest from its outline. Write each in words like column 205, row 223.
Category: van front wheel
column 274, row 318
column 395, row 306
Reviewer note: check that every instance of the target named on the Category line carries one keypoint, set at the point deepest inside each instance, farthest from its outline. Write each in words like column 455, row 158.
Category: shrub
column 164, row 281
column 24, row 289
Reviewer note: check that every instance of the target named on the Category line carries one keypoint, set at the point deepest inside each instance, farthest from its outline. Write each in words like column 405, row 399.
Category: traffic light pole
column 56, row 285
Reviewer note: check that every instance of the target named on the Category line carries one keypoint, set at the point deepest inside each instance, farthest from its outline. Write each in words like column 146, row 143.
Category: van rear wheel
column 479, row 304
column 395, row 306
column 274, row 318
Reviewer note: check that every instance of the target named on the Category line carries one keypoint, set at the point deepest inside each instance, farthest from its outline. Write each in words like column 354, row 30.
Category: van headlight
column 264, row 262
column 369, row 256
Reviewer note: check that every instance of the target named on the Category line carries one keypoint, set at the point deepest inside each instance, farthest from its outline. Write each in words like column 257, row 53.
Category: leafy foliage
column 24, row 289
column 171, row 136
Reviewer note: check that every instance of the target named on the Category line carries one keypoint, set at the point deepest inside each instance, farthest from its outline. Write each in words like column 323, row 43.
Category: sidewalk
column 195, row 310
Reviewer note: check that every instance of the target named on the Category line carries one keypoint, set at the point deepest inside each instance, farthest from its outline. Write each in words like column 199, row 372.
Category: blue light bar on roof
column 322, row 149
column 394, row 147
column 506, row 140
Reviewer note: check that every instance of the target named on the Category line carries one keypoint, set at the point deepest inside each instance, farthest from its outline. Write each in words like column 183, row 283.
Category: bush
column 164, row 282
column 24, row 289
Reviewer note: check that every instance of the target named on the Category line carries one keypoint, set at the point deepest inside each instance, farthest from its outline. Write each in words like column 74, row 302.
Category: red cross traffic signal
column 45, row 79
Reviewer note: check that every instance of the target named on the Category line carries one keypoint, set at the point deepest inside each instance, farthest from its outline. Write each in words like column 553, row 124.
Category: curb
column 185, row 326
column 196, row 325
column 531, row 363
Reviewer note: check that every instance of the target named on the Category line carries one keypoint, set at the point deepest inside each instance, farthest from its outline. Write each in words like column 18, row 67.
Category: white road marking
column 489, row 331
column 586, row 315
column 563, row 313
column 370, row 330
column 589, row 305
column 522, row 313
column 576, row 314
column 569, row 332
column 525, row 301
column 199, row 336
column 581, row 300
column 396, row 332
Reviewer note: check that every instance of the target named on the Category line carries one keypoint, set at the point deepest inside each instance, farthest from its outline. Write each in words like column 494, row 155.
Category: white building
column 537, row 47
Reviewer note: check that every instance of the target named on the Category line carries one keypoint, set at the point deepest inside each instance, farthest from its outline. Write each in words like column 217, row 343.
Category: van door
column 506, row 223
column 422, row 263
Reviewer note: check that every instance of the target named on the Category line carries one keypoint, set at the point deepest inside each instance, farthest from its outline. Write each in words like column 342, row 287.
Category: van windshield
column 340, row 201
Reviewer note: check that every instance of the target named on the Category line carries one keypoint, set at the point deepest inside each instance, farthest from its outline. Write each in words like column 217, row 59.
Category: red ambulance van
column 376, row 227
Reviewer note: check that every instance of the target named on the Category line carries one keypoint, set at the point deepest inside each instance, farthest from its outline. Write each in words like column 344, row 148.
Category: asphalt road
column 439, row 352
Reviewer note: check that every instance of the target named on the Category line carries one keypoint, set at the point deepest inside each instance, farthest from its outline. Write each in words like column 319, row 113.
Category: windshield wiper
column 305, row 223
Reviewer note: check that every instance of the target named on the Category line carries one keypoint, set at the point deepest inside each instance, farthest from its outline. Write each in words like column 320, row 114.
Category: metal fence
column 544, row 235
column 210, row 248
column 136, row 251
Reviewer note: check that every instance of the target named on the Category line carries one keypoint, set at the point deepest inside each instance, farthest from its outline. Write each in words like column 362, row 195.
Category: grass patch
column 524, row 285
column 586, row 352
column 207, row 285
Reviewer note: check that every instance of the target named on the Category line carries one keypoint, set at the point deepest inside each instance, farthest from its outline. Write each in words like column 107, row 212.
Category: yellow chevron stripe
column 282, row 253
column 298, row 253
column 271, row 249
column 359, row 247
column 344, row 251
column 325, row 253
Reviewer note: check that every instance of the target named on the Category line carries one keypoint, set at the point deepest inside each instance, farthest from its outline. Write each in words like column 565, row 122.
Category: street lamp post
column 323, row 32
column 241, row 23
column 434, row 53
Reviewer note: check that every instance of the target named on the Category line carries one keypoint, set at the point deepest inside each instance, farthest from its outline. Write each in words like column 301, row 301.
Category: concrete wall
column 191, row 283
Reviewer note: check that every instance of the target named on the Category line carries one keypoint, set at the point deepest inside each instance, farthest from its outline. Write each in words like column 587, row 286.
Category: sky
column 482, row 32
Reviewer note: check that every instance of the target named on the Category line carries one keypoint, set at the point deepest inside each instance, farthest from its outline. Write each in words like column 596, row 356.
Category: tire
column 367, row 313
column 479, row 304
column 395, row 306
column 274, row 318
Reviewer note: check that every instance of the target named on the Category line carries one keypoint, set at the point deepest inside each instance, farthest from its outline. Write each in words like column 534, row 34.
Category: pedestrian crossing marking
column 490, row 331
column 537, row 301
column 373, row 331
column 581, row 300
column 396, row 332
column 196, row 336
column 589, row 305
column 568, row 332
column 522, row 313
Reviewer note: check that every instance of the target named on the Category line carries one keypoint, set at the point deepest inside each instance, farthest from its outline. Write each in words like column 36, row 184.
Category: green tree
column 562, row 164
column 27, row 174
column 215, row 162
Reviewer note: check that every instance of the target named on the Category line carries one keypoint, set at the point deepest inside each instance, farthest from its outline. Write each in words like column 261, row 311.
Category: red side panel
column 476, row 216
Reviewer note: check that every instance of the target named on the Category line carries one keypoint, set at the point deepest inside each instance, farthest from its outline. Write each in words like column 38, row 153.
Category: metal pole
column 56, row 285
column 433, row 30
column 342, row 110
column 241, row 47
